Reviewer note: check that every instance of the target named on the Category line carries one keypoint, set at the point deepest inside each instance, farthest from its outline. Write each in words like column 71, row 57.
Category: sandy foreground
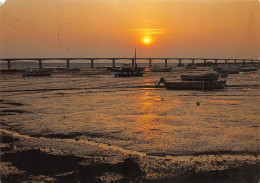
column 22, row 161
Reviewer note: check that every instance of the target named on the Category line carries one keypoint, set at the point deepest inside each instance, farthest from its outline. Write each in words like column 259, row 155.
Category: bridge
column 113, row 60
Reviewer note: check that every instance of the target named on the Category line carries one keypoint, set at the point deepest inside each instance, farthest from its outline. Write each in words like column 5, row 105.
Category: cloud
column 2, row 2
column 150, row 31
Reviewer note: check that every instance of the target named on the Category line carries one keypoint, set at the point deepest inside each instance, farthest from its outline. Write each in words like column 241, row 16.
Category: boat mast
column 135, row 58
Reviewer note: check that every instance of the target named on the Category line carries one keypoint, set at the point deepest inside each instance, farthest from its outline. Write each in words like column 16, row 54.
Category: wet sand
column 22, row 161
column 32, row 152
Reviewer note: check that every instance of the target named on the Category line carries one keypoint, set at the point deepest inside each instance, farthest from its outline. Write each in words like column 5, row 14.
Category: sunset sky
column 113, row 28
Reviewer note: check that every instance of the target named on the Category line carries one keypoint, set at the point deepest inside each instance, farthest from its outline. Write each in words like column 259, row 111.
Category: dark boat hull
column 130, row 72
column 128, row 75
column 25, row 74
column 161, row 69
column 195, row 85
column 248, row 69
column 223, row 74
column 190, row 66
column 73, row 69
column 230, row 70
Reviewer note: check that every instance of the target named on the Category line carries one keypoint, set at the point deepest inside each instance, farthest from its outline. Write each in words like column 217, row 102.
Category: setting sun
column 146, row 40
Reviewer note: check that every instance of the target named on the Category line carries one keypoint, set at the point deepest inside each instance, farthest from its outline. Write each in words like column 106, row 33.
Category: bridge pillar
column 92, row 63
column 235, row 62
column 68, row 64
column 165, row 64
column 113, row 63
column 192, row 61
column 216, row 61
column 252, row 63
column 40, row 64
column 205, row 61
column 179, row 64
column 133, row 62
column 226, row 61
column 150, row 62
column 9, row 64
column 244, row 62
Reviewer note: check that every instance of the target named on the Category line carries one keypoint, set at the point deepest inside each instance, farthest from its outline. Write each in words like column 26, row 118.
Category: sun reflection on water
column 148, row 124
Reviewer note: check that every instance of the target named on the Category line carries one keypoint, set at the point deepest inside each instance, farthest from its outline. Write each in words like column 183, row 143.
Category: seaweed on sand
column 66, row 168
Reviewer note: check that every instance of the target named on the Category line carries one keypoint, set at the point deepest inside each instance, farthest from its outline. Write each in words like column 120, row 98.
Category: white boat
column 29, row 72
column 231, row 69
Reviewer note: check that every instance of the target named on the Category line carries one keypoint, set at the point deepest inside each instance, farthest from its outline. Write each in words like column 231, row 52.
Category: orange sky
column 113, row 28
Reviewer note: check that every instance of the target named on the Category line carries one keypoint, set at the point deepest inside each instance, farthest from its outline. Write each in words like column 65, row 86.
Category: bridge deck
column 124, row 58
column 166, row 59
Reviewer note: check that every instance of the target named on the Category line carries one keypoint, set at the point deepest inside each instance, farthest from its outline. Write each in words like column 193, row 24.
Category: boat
column 29, row 72
column 248, row 69
column 192, row 85
column 128, row 70
column 223, row 74
column 73, row 69
column 231, row 69
column 200, row 77
column 156, row 68
column 61, row 68
column 190, row 66
column 180, row 65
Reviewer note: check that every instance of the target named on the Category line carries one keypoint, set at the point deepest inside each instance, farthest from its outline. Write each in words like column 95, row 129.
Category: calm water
column 131, row 116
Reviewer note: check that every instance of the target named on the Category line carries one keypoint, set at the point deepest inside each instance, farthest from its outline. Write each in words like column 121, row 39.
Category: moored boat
column 248, row 69
column 223, row 74
column 190, row 66
column 73, row 69
column 192, row 85
column 29, row 72
column 231, row 69
column 128, row 70
column 200, row 77
column 161, row 69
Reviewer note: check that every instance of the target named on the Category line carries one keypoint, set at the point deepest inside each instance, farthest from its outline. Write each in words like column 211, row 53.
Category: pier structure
column 179, row 61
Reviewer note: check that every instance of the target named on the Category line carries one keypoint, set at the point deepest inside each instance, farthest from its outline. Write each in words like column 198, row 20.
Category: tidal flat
column 76, row 127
